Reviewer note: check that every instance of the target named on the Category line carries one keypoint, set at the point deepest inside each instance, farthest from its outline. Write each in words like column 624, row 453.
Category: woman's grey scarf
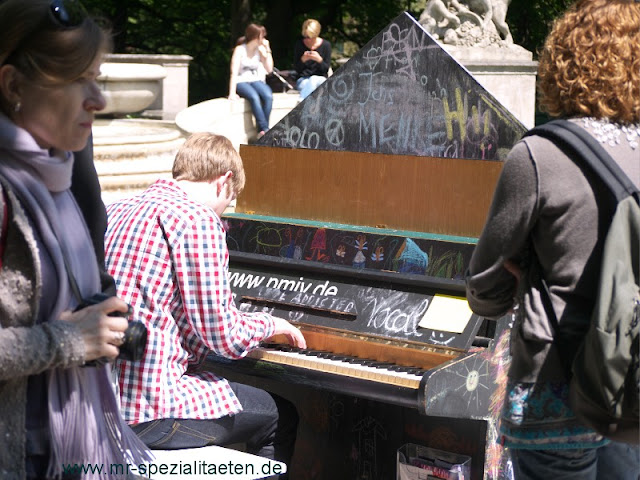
column 85, row 423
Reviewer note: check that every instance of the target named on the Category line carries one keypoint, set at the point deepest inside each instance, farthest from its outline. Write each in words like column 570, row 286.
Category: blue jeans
column 267, row 424
column 260, row 97
column 306, row 85
column 614, row 461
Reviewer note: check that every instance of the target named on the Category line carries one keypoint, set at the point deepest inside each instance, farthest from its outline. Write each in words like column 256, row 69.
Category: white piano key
column 354, row 370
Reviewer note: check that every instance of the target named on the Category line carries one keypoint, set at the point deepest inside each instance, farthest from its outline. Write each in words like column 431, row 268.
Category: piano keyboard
column 337, row 364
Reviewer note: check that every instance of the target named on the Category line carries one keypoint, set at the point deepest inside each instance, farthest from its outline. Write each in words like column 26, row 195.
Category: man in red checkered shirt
column 166, row 249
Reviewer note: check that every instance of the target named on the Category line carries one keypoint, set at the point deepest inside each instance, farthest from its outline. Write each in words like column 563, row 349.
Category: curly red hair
column 590, row 63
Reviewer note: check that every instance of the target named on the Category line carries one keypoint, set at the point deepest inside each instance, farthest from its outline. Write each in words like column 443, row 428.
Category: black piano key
column 355, row 360
column 328, row 355
column 337, row 357
column 413, row 371
column 366, row 362
column 313, row 353
column 410, row 370
column 384, row 365
column 400, row 368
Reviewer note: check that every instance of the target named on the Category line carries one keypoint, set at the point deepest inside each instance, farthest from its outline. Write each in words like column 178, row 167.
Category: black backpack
column 604, row 389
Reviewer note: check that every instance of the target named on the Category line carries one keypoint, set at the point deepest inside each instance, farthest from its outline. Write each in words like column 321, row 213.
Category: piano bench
column 205, row 463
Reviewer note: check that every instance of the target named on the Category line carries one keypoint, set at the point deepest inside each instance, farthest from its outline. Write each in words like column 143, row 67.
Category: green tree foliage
column 530, row 22
column 199, row 28
column 207, row 29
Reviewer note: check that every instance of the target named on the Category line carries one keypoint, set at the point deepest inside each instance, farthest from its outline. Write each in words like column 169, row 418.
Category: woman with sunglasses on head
column 250, row 63
column 53, row 411
column 311, row 58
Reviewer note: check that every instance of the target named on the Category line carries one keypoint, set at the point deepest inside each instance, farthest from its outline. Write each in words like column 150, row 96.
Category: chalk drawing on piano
column 450, row 264
column 284, row 134
column 440, row 338
column 410, row 259
column 267, row 239
column 295, row 316
column 399, row 51
column 301, row 138
column 393, row 313
column 297, row 298
column 365, row 450
column 345, row 249
column 336, row 409
column 341, row 251
column 401, row 94
column 253, row 308
column 360, row 260
column 341, row 90
column 334, row 131
column 296, row 243
column 377, row 256
column 477, row 132
column 319, row 247
column 474, row 376
column 375, row 92
column 461, row 386
column 385, row 252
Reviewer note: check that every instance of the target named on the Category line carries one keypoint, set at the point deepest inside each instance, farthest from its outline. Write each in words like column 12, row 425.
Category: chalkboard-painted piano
column 360, row 214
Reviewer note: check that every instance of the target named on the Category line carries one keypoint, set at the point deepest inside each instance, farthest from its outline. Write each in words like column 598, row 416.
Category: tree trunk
column 240, row 18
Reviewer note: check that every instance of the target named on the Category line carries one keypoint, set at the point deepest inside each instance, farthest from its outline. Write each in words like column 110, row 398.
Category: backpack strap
column 585, row 150
column 582, row 147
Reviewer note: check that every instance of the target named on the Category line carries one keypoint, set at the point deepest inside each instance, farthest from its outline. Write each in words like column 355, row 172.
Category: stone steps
column 131, row 154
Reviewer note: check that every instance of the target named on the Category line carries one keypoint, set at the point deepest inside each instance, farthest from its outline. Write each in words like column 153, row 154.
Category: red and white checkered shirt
column 169, row 257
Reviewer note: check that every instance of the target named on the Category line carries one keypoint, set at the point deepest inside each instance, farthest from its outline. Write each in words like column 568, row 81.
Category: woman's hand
column 293, row 335
column 264, row 48
column 101, row 333
column 234, row 96
column 311, row 55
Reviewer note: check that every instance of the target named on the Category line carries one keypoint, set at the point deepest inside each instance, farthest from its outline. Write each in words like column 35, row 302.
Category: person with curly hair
column 545, row 222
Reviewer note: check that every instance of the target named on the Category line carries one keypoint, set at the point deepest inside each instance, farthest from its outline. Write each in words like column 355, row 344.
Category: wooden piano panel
column 426, row 194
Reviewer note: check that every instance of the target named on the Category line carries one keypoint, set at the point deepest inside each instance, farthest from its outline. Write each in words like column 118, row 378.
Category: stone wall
column 173, row 95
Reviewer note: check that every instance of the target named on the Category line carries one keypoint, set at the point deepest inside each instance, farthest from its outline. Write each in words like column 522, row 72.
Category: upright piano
column 360, row 215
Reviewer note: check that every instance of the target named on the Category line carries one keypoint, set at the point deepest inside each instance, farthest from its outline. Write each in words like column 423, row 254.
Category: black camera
column 135, row 336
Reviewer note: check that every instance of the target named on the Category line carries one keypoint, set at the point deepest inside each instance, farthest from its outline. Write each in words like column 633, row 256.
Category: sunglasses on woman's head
column 67, row 13
column 61, row 14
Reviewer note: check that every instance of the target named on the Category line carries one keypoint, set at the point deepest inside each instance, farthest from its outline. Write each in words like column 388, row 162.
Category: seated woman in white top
column 250, row 63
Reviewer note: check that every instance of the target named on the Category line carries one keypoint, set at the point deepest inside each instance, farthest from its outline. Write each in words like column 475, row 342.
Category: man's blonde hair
column 205, row 157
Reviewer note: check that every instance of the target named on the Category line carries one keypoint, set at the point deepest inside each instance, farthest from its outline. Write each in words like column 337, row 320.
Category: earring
column 17, row 107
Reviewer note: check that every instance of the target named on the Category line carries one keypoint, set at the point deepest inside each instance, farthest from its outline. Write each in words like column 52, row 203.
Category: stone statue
column 468, row 22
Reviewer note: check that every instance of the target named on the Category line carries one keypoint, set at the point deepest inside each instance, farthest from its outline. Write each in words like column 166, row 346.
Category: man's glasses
column 62, row 14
